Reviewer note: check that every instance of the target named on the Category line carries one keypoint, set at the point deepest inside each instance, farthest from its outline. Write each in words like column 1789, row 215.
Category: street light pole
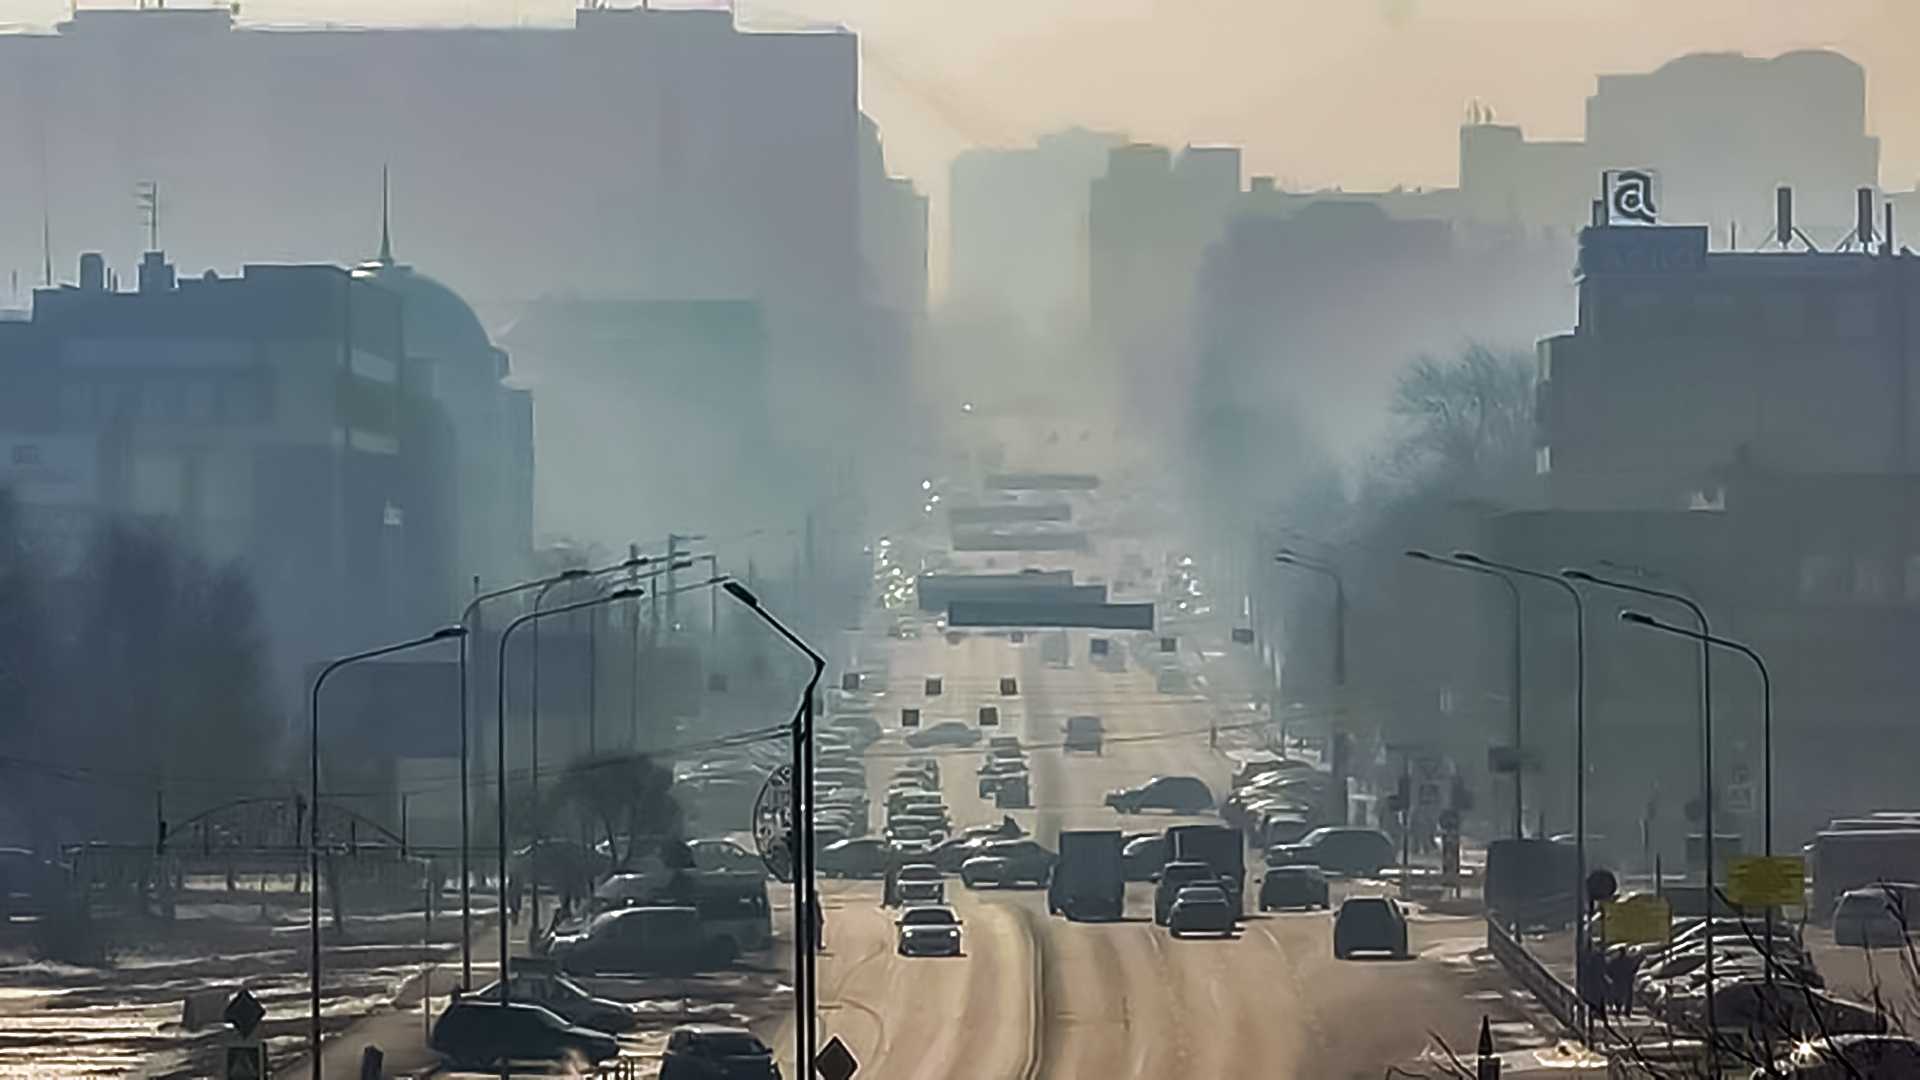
column 805, row 899
column 313, row 817
column 1513, row 594
column 1288, row 557
column 1580, row 958
column 500, row 737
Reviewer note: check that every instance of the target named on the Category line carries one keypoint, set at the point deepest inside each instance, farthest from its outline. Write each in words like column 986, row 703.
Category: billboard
column 1031, row 613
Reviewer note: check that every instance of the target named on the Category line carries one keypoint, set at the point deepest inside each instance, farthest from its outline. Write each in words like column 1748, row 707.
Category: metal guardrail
column 620, row 1068
column 1559, row 999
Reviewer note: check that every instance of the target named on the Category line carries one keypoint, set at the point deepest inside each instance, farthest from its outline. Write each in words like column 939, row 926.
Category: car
column 1280, row 826
column 566, row 998
column 1180, row 794
column 994, row 774
column 948, row 854
column 721, row 854
column 944, row 733
column 1142, row 856
column 920, row 883
column 929, row 930
column 1083, row 734
column 1847, row 1057
column 1169, row 880
column 1876, row 916
column 472, row 1035
column 1300, row 886
column 1370, row 924
column 716, row 1052
column 1004, row 743
column 1201, row 909
column 1341, row 850
column 934, row 822
column 639, row 938
column 1014, row 862
column 864, row 857
column 860, row 728
column 901, row 831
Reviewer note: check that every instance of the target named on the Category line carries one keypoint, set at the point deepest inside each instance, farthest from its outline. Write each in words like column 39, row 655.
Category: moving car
column 716, row 1052
column 566, row 998
column 1299, row 886
column 1089, row 881
column 944, row 733
column 1180, row 794
column 1340, row 850
column 929, row 931
column 643, row 938
column 1876, row 916
column 1370, row 924
column 920, row 883
column 863, row 857
column 861, row 729
column 474, row 1035
column 1084, row 734
column 1201, row 909
column 1171, row 879
column 1008, row 862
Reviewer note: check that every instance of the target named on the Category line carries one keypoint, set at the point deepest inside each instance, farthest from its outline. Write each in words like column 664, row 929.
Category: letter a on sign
column 1631, row 196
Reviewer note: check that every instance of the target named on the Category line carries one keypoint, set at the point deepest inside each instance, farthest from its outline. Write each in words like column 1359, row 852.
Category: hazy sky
column 1362, row 93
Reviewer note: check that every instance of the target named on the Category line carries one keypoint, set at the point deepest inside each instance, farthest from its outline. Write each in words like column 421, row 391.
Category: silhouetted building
column 1018, row 226
column 893, row 233
column 1686, row 362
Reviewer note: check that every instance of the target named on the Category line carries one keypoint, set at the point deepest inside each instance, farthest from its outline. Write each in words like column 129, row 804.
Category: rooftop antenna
column 46, row 245
column 386, row 229
column 148, row 195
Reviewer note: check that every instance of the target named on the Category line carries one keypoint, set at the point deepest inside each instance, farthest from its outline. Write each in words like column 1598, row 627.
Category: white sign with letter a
column 1632, row 196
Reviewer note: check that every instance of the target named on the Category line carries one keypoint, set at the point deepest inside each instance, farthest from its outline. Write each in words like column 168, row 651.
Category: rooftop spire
column 386, row 229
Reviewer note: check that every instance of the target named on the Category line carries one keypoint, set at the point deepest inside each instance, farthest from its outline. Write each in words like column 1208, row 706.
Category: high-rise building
column 893, row 232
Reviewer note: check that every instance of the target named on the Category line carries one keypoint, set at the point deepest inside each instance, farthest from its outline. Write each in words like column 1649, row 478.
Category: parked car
column 716, row 1052
column 566, row 998
column 944, row 733
column 1175, row 876
column 1008, row 862
column 865, row 857
column 1201, row 909
column 1876, row 916
column 1180, row 794
column 474, row 1035
column 1370, row 924
column 931, row 930
column 1847, row 1057
column 861, row 729
column 1300, row 886
column 1143, row 856
column 1340, row 850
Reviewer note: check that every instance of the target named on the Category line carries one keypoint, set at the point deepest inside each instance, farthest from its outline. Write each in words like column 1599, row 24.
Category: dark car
column 477, row 1034
column 568, row 1000
column 861, row 729
column 1143, row 856
column 1293, row 887
column 1174, row 877
column 716, row 1052
column 1201, row 909
column 1180, row 794
column 1848, row 1057
column 1370, row 924
column 862, row 857
column 645, row 938
column 1008, row 862
column 1340, row 850
column 944, row 733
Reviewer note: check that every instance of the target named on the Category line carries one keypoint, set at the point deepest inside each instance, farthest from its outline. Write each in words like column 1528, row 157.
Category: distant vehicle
column 1013, row 793
column 865, row 857
column 1180, row 794
column 1847, row 1057
column 636, row 939
column 1281, row 827
column 474, row 1035
column 1084, row 734
column 1370, row 924
column 1261, row 766
column 944, row 733
column 1843, row 861
column 860, row 728
column 1089, row 881
column 1531, row 882
column 1293, row 887
column 566, row 998
column 926, row 768
column 1201, row 909
column 900, row 830
column 1341, row 850
column 1877, row 916
column 1005, row 743
column 1143, row 856
column 1008, row 862
column 922, row 892
column 929, row 931
column 716, row 1052
column 993, row 772
column 948, row 854
column 1174, row 877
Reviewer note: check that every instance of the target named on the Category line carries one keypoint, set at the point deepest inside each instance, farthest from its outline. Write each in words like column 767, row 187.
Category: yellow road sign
column 1636, row 920
column 1767, row 880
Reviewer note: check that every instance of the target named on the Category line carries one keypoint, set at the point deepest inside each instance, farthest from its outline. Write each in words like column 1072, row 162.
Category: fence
column 1558, row 998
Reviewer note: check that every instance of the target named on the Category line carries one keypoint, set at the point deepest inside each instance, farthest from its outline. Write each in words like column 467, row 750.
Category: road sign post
column 835, row 1061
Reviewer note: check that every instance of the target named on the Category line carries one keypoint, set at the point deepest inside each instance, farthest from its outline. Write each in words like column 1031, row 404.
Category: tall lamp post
column 500, row 748
column 804, row 897
column 446, row 633
column 1513, row 594
column 1580, row 957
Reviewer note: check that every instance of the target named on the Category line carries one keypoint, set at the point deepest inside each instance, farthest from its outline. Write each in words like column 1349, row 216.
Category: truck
column 1841, row 861
column 1220, row 847
column 1089, row 881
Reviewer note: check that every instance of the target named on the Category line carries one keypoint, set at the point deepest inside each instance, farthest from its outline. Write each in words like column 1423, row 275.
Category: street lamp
column 445, row 633
column 1289, row 557
column 1513, row 593
column 804, row 898
column 1580, row 958
column 1706, row 638
column 500, row 748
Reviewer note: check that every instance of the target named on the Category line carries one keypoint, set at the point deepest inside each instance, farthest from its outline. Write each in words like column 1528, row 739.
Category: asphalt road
column 1036, row 996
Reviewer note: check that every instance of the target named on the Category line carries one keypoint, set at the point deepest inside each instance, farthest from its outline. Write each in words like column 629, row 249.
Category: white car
column 929, row 931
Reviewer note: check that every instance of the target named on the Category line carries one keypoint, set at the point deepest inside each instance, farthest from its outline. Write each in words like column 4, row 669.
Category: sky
column 1355, row 93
